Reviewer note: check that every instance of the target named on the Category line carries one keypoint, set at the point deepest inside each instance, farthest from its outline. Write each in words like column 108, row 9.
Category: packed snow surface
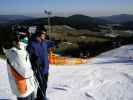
column 108, row 76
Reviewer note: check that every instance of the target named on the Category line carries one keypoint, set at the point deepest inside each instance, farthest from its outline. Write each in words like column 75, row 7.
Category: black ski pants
column 30, row 97
column 41, row 92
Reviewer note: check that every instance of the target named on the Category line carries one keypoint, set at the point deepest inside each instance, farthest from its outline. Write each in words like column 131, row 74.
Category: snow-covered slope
column 5, row 91
column 106, row 77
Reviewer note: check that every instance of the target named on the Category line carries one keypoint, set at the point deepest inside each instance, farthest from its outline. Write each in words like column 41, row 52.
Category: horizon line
column 39, row 16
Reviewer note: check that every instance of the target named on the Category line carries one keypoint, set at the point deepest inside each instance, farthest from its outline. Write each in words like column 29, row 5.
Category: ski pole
column 39, row 85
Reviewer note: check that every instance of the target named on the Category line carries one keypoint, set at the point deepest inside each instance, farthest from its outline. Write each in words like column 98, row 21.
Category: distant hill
column 82, row 22
column 118, row 18
column 127, row 25
column 76, row 21
column 13, row 18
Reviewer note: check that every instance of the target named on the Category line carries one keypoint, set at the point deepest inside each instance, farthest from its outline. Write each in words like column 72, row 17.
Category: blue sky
column 66, row 7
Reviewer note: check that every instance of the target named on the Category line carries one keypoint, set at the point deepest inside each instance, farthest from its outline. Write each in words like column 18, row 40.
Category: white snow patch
column 5, row 91
column 106, row 77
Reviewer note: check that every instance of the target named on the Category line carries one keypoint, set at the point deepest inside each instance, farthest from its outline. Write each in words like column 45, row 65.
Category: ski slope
column 5, row 91
column 108, row 76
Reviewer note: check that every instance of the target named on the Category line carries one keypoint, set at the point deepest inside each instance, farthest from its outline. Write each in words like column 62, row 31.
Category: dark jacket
column 39, row 55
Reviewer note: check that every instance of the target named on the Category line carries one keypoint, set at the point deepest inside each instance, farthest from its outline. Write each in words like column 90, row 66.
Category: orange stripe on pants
column 20, row 82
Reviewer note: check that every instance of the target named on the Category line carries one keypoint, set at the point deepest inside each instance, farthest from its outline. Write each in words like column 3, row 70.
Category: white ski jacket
column 21, row 77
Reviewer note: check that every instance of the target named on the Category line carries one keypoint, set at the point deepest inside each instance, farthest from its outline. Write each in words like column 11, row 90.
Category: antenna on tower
column 48, row 13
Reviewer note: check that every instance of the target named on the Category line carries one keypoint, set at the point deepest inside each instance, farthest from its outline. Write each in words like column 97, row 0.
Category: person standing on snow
column 21, row 77
column 38, row 51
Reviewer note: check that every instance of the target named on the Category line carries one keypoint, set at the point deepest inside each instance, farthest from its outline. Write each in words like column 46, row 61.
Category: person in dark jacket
column 38, row 51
